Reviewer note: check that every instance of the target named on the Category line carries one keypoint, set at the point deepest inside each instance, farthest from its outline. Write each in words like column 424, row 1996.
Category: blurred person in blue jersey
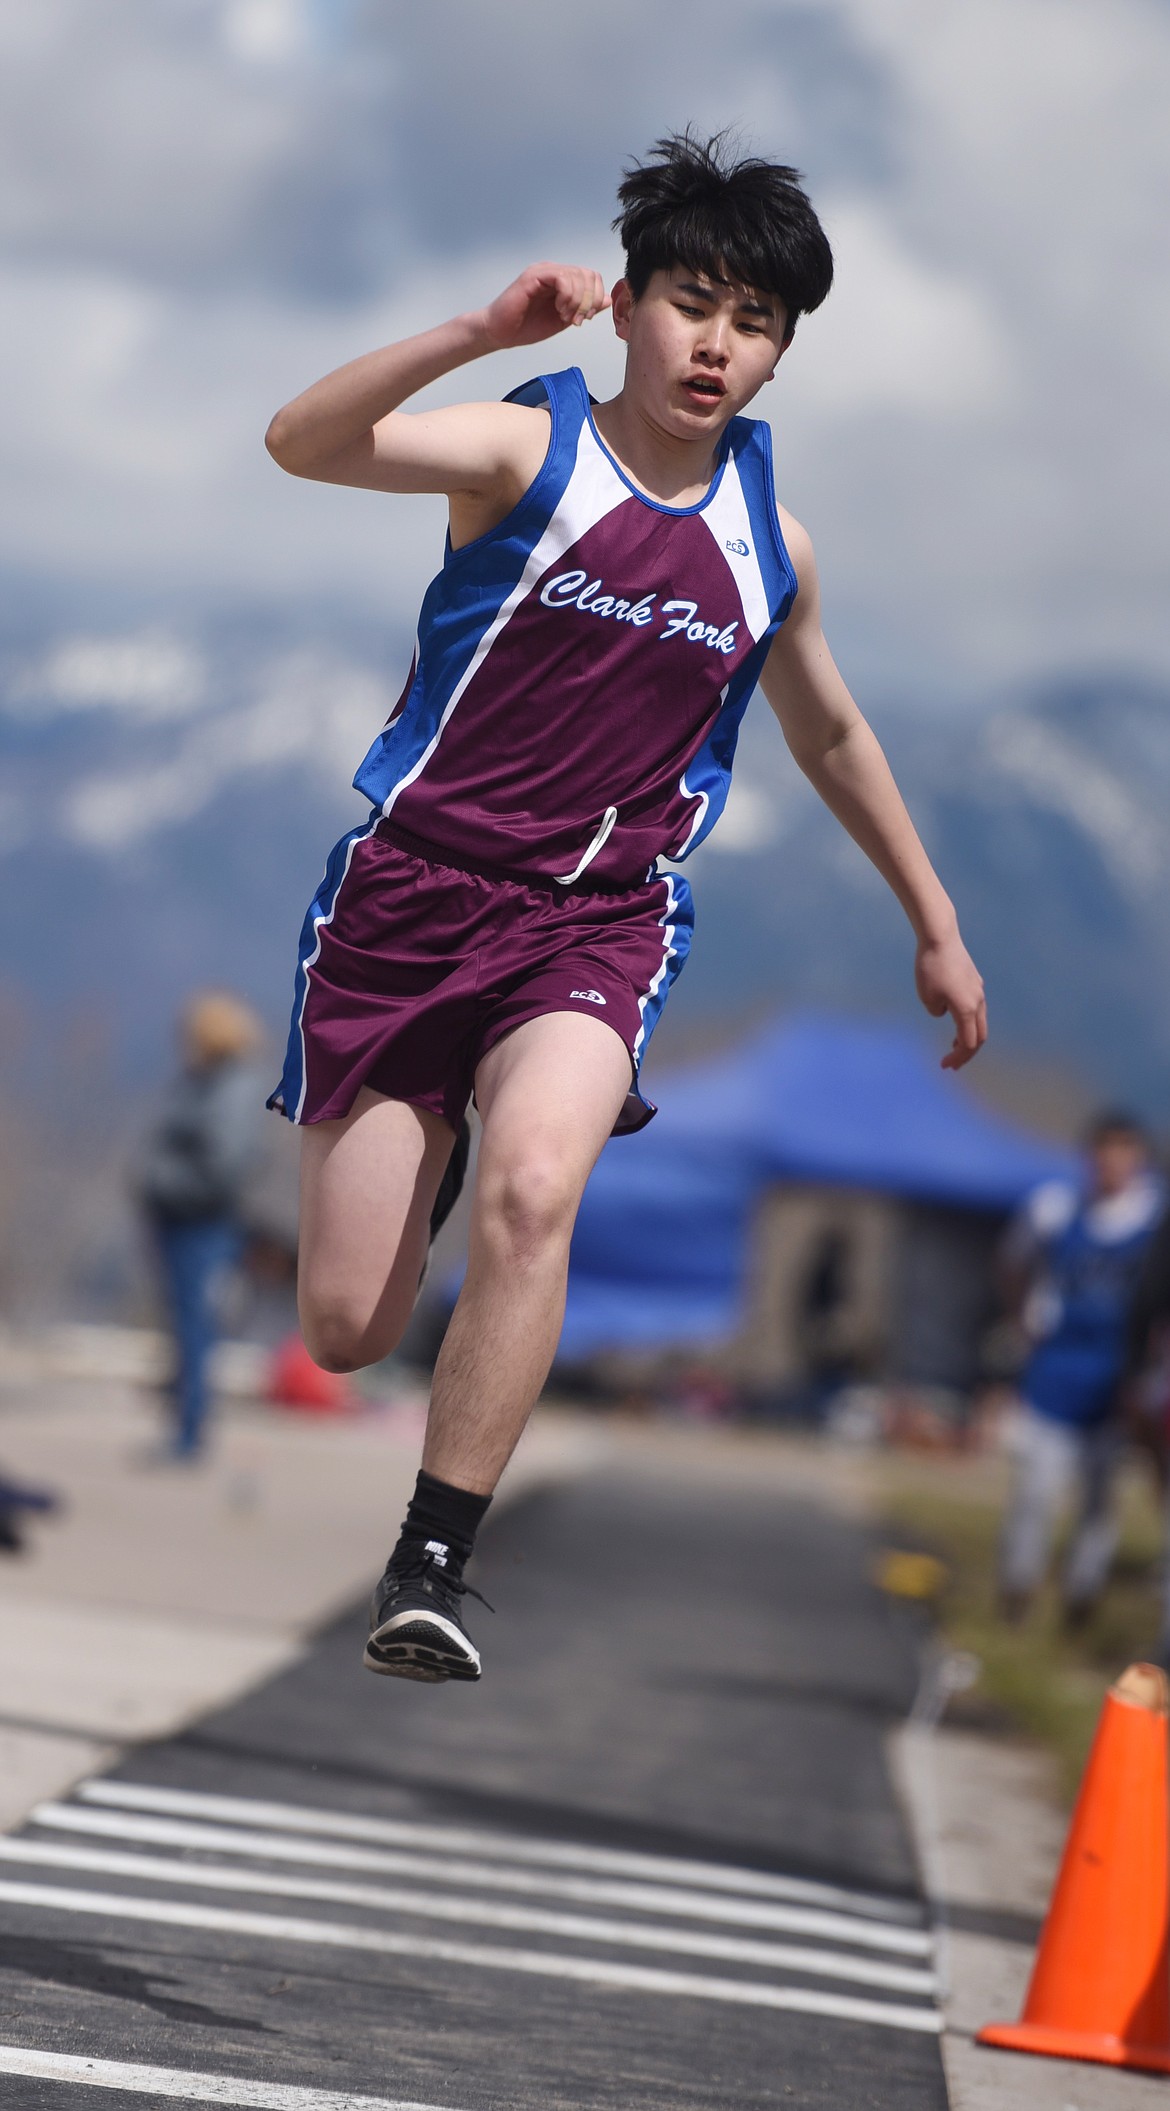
column 192, row 1181
column 1072, row 1261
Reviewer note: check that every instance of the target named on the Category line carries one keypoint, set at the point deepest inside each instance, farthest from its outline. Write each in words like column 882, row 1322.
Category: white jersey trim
column 320, row 924
column 668, row 928
column 729, row 525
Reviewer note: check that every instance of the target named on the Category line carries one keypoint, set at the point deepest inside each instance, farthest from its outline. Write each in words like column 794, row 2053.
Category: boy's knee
column 333, row 1354
column 342, row 1341
column 528, row 1204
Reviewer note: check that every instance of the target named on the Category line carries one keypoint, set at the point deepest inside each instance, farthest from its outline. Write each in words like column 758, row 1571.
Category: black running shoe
column 416, row 1631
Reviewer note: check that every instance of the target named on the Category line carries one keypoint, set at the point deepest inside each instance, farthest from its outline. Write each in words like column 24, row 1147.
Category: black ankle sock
column 452, row 1516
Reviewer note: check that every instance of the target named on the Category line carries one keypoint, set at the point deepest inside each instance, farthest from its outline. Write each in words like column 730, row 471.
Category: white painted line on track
column 190, row 2088
column 690, row 1986
column 508, row 1847
column 643, row 1898
column 570, row 1927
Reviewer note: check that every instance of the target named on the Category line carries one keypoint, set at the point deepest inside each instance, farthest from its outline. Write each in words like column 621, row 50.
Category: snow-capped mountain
column 169, row 791
column 1046, row 818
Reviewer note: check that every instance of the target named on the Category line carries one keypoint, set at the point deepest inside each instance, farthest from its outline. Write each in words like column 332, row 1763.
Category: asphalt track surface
column 652, row 1862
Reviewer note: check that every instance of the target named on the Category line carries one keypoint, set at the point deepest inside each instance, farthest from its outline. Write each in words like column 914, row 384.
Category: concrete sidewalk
column 160, row 1592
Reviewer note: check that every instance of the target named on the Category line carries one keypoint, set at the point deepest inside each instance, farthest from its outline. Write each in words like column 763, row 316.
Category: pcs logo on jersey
column 738, row 548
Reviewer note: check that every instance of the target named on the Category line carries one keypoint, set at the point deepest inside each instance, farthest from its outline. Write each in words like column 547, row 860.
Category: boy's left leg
column 369, row 1183
column 549, row 1095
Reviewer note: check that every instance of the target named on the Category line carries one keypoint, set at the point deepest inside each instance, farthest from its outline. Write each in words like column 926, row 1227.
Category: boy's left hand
column 948, row 980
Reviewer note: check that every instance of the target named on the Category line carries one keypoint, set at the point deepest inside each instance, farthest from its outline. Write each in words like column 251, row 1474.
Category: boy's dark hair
column 746, row 222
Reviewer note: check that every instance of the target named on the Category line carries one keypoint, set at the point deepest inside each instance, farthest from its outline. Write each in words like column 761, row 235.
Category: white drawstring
column 599, row 842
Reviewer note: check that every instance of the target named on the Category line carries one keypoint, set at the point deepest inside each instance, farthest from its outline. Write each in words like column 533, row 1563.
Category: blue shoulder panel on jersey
column 467, row 598
column 754, row 461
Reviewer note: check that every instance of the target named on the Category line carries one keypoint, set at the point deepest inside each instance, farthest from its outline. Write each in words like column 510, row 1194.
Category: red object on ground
column 1101, row 1982
column 294, row 1380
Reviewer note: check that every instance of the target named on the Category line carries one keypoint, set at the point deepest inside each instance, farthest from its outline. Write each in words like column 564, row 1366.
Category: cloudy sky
column 205, row 203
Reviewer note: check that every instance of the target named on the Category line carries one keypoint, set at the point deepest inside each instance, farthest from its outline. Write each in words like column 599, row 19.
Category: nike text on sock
column 443, row 1517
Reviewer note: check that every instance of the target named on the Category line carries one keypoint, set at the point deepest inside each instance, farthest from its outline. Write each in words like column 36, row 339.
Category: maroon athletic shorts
column 412, row 967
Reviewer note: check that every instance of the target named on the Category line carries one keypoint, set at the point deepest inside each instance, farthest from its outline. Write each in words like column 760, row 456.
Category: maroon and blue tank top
column 582, row 669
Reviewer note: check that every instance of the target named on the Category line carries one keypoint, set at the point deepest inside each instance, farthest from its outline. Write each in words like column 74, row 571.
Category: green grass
column 1036, row 1679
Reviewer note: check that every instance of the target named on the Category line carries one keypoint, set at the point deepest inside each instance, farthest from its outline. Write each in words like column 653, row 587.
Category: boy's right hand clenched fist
column 545, row 299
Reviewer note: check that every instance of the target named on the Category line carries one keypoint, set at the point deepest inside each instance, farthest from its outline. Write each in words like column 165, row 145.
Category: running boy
column 618, row 578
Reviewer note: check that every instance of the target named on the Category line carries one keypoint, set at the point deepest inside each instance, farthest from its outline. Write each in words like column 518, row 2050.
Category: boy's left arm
column 842, row 759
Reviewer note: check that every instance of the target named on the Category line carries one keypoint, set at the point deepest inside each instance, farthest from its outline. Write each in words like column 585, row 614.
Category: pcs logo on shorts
column 588, row 996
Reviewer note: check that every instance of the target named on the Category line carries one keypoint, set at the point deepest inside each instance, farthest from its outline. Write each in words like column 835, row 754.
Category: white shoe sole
column 422, row 1646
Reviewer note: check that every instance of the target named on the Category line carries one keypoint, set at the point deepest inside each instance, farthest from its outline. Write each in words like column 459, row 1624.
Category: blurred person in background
column 1072, row 1261
column 192, row 1181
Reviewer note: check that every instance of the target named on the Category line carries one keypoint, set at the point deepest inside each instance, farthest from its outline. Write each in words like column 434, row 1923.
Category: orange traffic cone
column 1101, row 1982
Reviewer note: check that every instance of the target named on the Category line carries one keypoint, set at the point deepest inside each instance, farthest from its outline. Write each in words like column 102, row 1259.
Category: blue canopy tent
column 660, row 1249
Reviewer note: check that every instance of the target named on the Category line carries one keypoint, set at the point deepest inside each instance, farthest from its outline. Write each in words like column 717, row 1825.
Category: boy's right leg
column 368, row 1186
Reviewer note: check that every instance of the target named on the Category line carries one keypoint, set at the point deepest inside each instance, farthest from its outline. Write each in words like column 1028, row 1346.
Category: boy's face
column 698, row 350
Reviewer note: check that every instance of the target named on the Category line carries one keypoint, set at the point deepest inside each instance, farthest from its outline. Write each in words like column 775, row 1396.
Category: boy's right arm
column 349, row 429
